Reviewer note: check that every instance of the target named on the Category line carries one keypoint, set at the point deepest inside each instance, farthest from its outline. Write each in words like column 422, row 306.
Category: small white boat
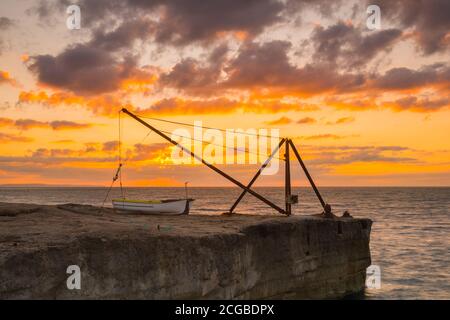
column 165, row 207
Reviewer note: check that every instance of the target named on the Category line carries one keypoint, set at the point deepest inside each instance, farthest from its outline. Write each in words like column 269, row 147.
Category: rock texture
column 199, row 257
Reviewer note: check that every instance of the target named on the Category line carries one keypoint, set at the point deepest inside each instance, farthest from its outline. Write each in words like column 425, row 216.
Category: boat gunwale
column 150, row 201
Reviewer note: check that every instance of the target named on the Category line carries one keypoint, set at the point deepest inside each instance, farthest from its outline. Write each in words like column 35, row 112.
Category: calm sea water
column 410, row 238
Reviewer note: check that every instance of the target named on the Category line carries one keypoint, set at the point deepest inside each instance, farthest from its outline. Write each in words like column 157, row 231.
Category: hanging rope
column 116, row 176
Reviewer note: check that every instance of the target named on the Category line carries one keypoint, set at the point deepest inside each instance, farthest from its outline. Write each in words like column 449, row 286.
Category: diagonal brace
column 258, row 173
column 313, row 185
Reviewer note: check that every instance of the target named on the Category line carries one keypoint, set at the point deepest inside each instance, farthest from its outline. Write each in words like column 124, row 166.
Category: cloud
column 281, row 78
column 354, row 157
column 123, row 36
column 429, row 102
column 26, row 124
column 341, row 120
column 306, row 120
column 279, row 74
column 280, row 121
column 7, row 138
column 105, row 104
column 176, row 22
column 5, row 24
column 84, row 70
column 160, row 152
column 323, row 136
column 428, row 21
column 174, row 106
column 325, row 8
column 68, row 125
column 182, row 23
column 244, row 72
column 193, row 77
column 421, row 104
column 110, row 146
column 5, row 78
column 93, row 153
column 437, row 74
column 333, row 155
column 340, row 148
column 103, row 73
column 6, row 122
column 343, row 44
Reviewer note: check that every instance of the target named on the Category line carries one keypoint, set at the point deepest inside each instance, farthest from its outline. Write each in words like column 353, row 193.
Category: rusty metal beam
column 258, row 173
column 287, row 181
column 313, row 185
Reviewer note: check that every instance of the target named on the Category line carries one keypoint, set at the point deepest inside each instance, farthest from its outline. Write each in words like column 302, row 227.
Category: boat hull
column 165, row 207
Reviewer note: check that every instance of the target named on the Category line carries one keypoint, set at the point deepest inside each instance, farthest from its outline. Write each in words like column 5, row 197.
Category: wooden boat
column 165, row 207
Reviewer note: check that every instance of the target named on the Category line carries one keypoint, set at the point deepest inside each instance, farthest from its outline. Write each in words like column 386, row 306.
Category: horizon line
column 38, row 185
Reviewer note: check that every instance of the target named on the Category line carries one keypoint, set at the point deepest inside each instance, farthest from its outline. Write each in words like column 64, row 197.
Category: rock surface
column 194, row 257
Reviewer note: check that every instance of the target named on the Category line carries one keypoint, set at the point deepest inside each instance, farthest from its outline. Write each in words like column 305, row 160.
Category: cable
column 219, row 145
column 195, row 126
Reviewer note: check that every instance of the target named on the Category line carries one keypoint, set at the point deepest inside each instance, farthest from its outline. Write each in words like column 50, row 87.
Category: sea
column 410, row 239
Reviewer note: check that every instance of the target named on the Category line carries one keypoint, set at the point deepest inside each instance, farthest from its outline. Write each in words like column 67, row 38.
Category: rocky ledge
column 124, row 256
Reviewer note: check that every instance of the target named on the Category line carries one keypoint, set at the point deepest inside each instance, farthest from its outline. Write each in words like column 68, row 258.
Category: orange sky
column 364, row 107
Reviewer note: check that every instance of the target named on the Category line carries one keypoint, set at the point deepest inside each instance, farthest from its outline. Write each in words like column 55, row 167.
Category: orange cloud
column 26, row 124
column 104, row 104
column 5, row 78
column 219, row 106
column 430, row 103
column 323, row 136
column 4, row 122
column 306, row 120
column 157, row 152
column 24, row 57
column 6, row 138
column 415, row 104
column 280, row 121
column 140, row 81
column 342, row 120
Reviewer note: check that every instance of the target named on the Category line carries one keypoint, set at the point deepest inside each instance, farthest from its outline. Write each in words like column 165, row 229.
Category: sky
column 364, row 106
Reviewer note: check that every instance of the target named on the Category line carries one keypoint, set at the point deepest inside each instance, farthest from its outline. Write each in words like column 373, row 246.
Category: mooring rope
column 118, row 174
